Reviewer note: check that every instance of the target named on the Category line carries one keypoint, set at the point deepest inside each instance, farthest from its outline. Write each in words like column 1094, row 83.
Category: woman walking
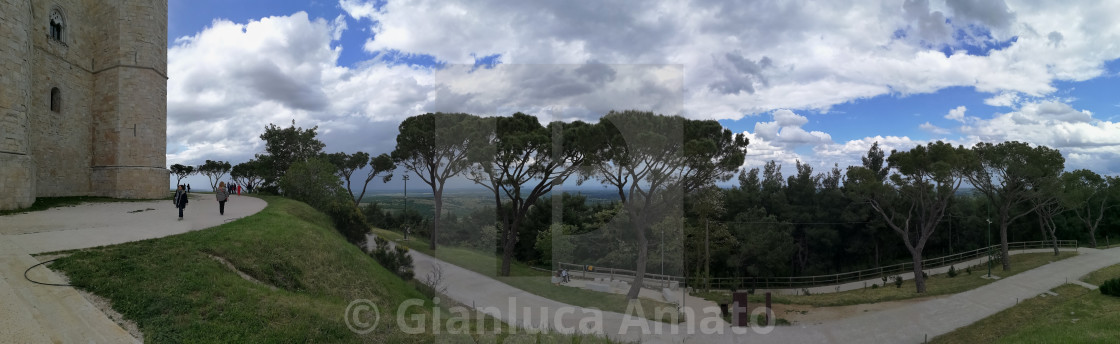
column 223, row 195
column 180, row 200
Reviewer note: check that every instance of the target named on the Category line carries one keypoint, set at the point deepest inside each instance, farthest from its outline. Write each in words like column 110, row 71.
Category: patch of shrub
column 874, row 286
column 952, row 271
column 1111, row 287
column 898, row 281
column 968, row 270
column 806, row 291
column 313, row 182
column 396, row 260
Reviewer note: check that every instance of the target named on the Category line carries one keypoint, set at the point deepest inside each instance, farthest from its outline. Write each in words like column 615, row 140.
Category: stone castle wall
column 17, row 169
column 109, row 136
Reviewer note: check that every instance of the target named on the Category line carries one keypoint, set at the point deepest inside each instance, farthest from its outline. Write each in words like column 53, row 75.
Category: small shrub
column 396, row 260
column 806, row 291
column 968, row 270
column 1111, row 287
column 952, row 271
column 925, row 275
column 874, row 286
column 898, row 281
column 884, row 280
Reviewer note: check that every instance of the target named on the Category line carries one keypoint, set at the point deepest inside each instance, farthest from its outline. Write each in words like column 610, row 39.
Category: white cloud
column 927, row 126
column 358, row 9
column 956, row 114
column 738, row 59
column 756, row 57
column 760, row 151
column 786, row 131
column 1057, row 125
column 229, row 81
column 1005, row 99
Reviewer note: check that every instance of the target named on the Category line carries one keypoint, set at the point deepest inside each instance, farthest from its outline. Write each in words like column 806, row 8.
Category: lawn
column 1098, row 277
column 176, row 290
column 526, row 278
column 940, row 284
column 1076, row 315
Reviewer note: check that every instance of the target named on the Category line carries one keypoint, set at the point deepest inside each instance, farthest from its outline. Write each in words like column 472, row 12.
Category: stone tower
column 83, row 99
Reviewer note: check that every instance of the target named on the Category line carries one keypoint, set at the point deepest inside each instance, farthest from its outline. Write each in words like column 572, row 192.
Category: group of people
column 221, row 193
column 564, row 276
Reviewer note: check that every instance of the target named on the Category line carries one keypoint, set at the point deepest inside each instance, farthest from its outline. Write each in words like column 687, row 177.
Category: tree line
column 663, row 170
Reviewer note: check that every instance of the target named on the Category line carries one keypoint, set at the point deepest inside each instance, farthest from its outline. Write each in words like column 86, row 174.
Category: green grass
column 44, row 203
column 940, row 284
column 1098, row 277
column 1076, row 315
column 525, row 278
column 175, row 291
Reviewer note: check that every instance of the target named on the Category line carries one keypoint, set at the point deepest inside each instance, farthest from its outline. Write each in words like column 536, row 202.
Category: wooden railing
column 588, row 271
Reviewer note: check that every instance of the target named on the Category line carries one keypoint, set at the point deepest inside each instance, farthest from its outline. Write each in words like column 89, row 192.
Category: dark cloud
column 992, row 13
column 928, row 26
column 269, row 81
column 596, row 73
column 1055, row 38
column 741, row 74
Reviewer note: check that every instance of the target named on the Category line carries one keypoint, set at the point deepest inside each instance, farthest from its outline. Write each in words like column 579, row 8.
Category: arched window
column 56, row 100
column 58, row 25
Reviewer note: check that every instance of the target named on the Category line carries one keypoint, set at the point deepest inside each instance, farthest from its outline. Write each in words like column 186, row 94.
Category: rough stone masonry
column 83, row 99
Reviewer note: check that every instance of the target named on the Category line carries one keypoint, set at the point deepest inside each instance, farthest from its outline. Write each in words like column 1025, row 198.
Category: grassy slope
column 1076, row 315
column 525, row 278
column 176, row 292
column 935, row 285
column 1098, row 277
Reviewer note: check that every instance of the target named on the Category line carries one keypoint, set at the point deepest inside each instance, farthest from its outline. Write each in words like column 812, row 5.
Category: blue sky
column 811, row 81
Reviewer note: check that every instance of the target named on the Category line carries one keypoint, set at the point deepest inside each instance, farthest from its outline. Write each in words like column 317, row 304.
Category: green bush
column 952, row 271
column 1111, row 287
column 898, row 281
column 314, row 182
column 874, row 286
column 396, row 260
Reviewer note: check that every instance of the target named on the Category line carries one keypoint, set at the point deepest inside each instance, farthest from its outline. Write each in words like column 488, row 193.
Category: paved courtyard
column 32, row 313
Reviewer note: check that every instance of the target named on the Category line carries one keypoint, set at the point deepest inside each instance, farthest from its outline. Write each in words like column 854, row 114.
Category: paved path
column 906, row 324
column 31, row 313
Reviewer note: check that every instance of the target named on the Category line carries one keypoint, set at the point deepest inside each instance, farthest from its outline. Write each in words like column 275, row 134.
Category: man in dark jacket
column 180, row 200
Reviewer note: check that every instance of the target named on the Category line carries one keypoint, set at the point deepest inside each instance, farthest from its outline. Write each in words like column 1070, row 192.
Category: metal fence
column 590, row 271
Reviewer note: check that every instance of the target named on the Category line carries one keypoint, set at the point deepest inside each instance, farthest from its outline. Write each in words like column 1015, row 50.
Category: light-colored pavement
column 32, row 313
column 911, row 323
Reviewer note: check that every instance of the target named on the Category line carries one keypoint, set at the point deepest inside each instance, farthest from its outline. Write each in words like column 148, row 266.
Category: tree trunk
column 1003, row 246
column 438, row 198
column 707, row 256
column 509, row 240
column 1092, row 233
column 1047, row 228
column 919, row 280
column 643, row 251
column 1054, row 239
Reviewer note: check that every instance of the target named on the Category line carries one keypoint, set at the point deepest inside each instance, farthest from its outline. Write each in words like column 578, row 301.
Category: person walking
column 188, row 188
column 180, row 200
column 222, row 194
